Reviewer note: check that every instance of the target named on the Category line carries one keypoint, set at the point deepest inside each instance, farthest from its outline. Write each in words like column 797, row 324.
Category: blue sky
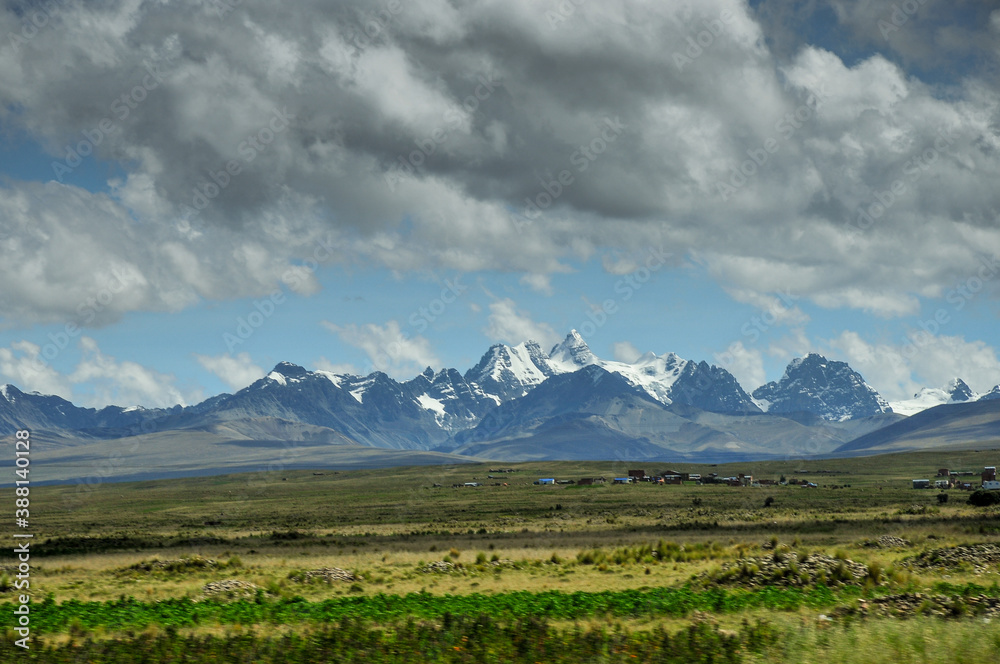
column 404, row 157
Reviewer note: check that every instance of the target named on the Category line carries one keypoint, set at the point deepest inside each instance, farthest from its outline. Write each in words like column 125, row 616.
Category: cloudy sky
column 192, row 191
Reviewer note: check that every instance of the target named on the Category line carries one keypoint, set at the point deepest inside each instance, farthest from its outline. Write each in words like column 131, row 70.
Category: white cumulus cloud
column 389, row 348
column 511, row 325
column 236, row 372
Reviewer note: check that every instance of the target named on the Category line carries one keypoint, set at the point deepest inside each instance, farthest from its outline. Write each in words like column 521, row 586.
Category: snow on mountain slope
column 571, row 354
column 654, row 374
column 277, row 378
column 509, row 372
column 432, row 404
column 955, row 391
column 667, row 378
column 456, row 403
column 336, row 379
column 926, row 398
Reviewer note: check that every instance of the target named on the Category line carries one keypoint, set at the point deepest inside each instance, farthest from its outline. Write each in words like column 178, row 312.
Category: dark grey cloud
column 415, row 144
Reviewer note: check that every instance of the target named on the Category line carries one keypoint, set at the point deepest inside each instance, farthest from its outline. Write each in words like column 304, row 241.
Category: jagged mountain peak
column 828, row 388
column 646, row 358
column 572, row 353
column 290, row 370
column 507, row 372
column 959, row 391
column 810, row 361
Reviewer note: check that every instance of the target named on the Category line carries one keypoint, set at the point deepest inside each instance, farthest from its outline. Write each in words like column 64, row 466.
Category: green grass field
column 383, row 565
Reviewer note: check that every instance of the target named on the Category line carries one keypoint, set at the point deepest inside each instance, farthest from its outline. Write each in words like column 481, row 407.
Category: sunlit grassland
column 386, row 527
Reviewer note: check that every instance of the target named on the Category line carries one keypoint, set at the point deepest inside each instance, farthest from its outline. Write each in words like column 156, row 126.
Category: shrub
column 768, row 501
column 982, row 498
column 942, row 498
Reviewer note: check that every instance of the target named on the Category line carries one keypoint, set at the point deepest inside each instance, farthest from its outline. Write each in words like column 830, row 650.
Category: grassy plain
column 439, row 573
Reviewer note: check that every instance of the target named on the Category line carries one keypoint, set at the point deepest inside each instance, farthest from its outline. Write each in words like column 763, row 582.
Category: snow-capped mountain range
column 654, row 405
column 512, row 371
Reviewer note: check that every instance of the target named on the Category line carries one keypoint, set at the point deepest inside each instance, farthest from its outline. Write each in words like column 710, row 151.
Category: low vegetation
column 384, row 566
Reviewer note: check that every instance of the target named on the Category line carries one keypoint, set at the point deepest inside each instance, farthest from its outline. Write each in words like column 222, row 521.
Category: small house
column 943, row 472
column 989, row 474
column 921, row 484
column 546, row 480
column 991, row 485
column 942, row 484
column 637, row 475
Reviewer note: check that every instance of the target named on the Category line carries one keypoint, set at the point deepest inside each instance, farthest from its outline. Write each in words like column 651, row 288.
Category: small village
column 944, row 479
column 676, row 477
column 954, row 479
